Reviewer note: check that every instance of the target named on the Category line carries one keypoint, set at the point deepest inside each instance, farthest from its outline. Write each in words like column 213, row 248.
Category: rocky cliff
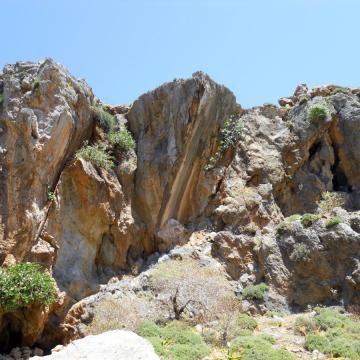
column 268, row 194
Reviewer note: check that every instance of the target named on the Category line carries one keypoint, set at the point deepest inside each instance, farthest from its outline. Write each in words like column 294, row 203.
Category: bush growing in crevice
column 318, row 112
column 97, row 155
column 1, row 99
column 103, row 118
column 123, row 139
column 229, row 135
column 25, row 284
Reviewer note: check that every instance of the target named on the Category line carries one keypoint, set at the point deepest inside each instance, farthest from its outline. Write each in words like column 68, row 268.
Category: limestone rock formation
column 111, row 345
column 224, row 186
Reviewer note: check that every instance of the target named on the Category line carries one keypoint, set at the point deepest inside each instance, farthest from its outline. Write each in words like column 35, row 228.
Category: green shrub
column 149, row 329
column 246, row 322
column 1, row 99
column 300, row 252
column 341, row 89
column 282, row 228
column 308, row 219
column 339, row 335
column 329, row 201
column 51, row 195
column 293, row 217
column 255, row 292
column 318, row 112
column 104, row 119
column 286, row 224
column 257, row 348
column 174, row 341
column 97, row 155
column 25, row 284
column 305, row 325
column 35, row 83
column 334, row 221
column 228, row 136
column 123, row 139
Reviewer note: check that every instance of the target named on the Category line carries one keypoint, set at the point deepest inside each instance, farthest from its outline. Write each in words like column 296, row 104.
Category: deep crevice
column 339, row 181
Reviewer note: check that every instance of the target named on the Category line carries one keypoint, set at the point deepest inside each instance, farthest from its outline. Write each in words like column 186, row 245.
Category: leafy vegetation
column 123, row 139
column 329, row 201
column 334, row 221
column 334, row 334
column 174, row 341
column 258, row 347
column 255, row 292
column 97, row 155
column 25, row 284
column 318, row 112
column 1, row 99
column 35, row 83
column 104, row 119
column 51, row 195
column 308, row 219
column 300, row 252
column 285, row 225
column 229, row 135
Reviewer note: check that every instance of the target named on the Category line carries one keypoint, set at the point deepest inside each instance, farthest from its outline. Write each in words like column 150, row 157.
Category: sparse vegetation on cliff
column 97, row 155
column 104, row 119
column 25, row 284
column 123, row 139
column 334, row 221
column 229, row 135
column 318, row 112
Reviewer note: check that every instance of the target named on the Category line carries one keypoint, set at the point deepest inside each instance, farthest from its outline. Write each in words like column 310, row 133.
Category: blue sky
column 260, row 49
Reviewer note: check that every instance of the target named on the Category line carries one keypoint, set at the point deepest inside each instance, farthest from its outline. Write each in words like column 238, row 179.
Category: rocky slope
column 268, row 194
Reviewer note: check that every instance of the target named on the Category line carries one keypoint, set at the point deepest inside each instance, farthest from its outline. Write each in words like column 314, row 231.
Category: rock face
column 176, row 129
column 316, row 264
column 45, row 116
column 111, row 345
column 188, row 175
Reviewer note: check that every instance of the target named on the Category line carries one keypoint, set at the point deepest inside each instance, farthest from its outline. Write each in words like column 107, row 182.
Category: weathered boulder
column 111, row 345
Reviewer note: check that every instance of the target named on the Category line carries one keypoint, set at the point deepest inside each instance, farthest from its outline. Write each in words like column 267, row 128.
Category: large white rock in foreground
column 111, row 345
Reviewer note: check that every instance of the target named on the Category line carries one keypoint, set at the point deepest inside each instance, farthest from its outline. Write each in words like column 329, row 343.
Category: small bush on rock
column 104, row 119
column 329, row 201
column 25, row 284
column 308, row 219
column 334, row 221
column 318, row 112
column 300, row 252
column 97, row 155
column 255, row 292
column 123, row 139
column 1, row 99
